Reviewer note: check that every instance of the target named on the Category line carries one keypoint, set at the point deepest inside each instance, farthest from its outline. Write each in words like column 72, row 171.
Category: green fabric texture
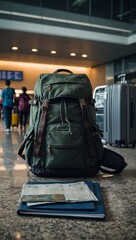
column 64, row 144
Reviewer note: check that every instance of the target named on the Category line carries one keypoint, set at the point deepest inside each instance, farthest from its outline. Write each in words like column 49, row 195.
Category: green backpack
column 62, row 139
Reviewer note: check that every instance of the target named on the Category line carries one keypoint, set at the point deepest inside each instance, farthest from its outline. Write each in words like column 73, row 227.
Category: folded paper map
column 57, row 192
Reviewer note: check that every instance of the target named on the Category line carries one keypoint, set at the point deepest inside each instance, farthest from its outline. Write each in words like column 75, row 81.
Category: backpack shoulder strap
column 28, row 136
column 87, row 126
column 41, row 127
column 112, row 162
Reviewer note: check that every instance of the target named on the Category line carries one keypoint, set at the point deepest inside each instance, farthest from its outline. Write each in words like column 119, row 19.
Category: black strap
column 112, row 162
column 63, row 70
column 41, row 128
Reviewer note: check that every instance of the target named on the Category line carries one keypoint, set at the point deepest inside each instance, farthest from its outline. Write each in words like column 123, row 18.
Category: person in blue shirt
column 8, row 97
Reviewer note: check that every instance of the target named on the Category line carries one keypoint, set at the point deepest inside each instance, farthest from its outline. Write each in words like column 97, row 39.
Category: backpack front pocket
column 65, row 149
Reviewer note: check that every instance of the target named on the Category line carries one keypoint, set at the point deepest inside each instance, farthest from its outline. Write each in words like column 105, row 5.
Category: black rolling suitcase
column 120, row 114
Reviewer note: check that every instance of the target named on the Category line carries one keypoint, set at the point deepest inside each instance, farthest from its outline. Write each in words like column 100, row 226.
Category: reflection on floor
column 119, row 194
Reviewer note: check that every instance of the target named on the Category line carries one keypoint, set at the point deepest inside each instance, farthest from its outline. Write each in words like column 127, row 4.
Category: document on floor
column 78, row 209
column 56, row 192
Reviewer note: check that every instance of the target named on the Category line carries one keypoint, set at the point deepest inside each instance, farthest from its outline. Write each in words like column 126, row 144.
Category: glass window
column 118, row 66
column 134, row 16
column 101, row 8
column 130, row 63
column 79, row 6
column 133, row 11
column 133, row 4
column 28, row 2
column 58, row 4
column 121, row 10
column 126, row 65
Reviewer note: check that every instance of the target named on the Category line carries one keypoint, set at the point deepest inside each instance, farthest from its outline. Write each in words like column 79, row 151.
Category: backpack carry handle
column 63, row 70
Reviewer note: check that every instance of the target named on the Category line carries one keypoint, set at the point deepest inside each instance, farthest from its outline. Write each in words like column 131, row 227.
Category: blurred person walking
column 23, row 107
column 8, row 98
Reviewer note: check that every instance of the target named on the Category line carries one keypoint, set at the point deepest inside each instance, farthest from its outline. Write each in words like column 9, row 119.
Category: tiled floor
column 119, row 194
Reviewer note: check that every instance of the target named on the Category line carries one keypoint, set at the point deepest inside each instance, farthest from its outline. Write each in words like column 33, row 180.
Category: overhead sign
column 11, row 75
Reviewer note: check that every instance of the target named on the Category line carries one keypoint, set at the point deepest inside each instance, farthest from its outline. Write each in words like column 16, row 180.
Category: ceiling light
column 84, row 55
column 14, row 48
column 53, row 52
column 72, row 54
column 34, row 50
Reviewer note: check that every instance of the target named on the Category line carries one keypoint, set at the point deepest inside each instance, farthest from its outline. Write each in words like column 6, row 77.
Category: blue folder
column 88, row 209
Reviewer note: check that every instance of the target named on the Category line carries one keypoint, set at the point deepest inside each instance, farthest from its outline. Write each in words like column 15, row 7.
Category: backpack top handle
column 63, row 70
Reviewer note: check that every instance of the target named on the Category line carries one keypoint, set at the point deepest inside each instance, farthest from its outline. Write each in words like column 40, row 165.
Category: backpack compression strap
column 89, row 132
column 41, row 127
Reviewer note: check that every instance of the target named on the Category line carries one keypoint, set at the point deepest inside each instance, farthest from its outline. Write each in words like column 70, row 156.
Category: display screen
column 11, row 75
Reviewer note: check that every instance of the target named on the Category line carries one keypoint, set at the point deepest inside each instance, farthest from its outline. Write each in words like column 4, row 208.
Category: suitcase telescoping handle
column 63, row 70
column 122, row 77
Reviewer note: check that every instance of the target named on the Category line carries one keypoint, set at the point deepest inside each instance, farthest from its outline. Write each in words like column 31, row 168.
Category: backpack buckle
column 45, row 104
column 32, row 101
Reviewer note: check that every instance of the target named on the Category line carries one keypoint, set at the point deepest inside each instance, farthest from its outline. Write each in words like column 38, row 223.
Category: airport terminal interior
column 119, row 196
column 84, row 36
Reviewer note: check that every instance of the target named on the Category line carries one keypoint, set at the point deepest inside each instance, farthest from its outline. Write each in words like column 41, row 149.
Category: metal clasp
column 45, row 104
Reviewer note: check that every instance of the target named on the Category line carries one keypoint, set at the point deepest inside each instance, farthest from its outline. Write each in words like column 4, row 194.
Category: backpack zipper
column 58, row 146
